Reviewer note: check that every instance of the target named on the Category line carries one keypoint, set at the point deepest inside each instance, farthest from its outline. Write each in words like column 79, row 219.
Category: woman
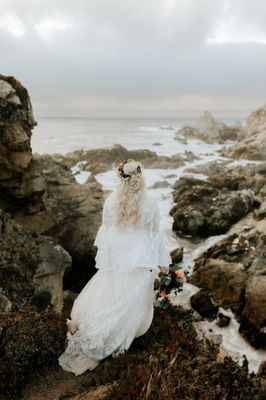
column 116, row 305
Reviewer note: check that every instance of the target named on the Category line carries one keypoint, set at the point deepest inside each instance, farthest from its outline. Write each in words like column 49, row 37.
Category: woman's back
column 125, row 247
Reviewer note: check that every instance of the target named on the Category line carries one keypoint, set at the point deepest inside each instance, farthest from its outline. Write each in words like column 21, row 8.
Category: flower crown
column 128, row 168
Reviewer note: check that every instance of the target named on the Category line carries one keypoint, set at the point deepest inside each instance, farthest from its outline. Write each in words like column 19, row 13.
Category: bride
column 116, row 305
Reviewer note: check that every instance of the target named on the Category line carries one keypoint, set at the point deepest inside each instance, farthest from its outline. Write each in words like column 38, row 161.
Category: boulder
column 204, row 305
column 202, row 208
column 19, row 186
column 31, row 268
column 177, row 255
column 252, row 144
column 208, row 129
column 72, row 214
column 223, row 320
column 233, row 271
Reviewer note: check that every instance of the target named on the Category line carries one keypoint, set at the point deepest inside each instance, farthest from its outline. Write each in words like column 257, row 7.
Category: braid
column 129, row 193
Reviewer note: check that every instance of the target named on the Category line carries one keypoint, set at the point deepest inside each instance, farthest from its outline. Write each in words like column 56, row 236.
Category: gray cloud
column 136, row 57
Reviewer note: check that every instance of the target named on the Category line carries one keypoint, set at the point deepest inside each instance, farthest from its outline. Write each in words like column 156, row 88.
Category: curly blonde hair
column 129, row 193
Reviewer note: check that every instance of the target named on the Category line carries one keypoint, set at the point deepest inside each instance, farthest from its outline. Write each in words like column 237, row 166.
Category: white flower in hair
column 132, row 167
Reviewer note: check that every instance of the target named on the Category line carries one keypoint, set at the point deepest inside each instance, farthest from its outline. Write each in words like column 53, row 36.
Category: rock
column 208, row 129
column 16, row 124
column 50, row 272
column 223, row 320
column 203, row 209
column 42, row 194
column 252, row 144
column 31, row 268
column 262, row 369
column 204, row 305
column 177, row 255
column 261, row 212
column 100, row 160
column 233, row 271
column 159, row 185
column 72, row 214
column 224, row 280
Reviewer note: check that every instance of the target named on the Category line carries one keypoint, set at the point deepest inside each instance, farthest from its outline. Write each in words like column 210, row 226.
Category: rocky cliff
column 208, row 129
column 252, row 144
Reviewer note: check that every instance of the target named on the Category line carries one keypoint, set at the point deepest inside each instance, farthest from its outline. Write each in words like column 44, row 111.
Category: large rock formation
column 208, row 129
column 203, row 209
column 252, row 145
column 234, row 272
column 71, row 214
column 100, row 160
column 31, row 268
column 19, row 184
column 41, row 193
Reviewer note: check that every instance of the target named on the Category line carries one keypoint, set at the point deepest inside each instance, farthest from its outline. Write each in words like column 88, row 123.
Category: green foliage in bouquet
column 168, row 282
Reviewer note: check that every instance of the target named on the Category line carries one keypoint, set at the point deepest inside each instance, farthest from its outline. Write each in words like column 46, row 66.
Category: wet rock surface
column 100, row 160
column 204, row 305
column 203, row 209
column 234, row 273
column 177, row 255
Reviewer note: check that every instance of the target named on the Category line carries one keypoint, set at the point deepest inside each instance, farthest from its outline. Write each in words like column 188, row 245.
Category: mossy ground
column 168, row 362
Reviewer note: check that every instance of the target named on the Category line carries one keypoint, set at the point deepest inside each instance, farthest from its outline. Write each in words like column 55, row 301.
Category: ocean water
column 61, row 135
column 57, row 135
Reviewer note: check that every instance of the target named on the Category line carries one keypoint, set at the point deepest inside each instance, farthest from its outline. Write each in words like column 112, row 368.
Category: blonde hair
column 129, row 193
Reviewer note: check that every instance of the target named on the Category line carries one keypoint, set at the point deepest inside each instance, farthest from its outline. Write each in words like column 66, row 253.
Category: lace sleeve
column 164, row 256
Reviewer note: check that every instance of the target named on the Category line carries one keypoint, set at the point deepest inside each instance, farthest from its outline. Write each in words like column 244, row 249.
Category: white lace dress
column 116, row 305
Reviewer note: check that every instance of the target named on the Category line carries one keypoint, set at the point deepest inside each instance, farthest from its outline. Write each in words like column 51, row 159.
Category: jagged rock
column 223, row 320
column 204, row 305
column 252, row 145
column 41, row 192
column 208, row 129
column 50, row 272
column 71, row 214
column 203, row 209
column 100, row 160
column 31, row 268
column 16, row 124
column 177, row 255
column 261, row 212
column 234, row 272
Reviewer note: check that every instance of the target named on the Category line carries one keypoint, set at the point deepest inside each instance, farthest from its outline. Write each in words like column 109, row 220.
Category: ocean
column 62, row 135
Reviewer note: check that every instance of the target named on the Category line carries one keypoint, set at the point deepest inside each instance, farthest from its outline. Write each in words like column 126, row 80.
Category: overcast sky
column 136, row 57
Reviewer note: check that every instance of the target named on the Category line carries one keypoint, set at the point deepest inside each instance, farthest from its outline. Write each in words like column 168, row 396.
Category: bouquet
column 168, row 282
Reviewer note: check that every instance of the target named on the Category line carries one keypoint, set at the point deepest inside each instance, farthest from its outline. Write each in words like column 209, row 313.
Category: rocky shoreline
column 48, row 222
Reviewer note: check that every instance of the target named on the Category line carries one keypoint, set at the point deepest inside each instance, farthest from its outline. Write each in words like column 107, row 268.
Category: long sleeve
column 100, row 242
column 164, row 256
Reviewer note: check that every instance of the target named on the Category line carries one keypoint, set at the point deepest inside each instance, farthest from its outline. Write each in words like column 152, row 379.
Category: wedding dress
column 116, row 305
